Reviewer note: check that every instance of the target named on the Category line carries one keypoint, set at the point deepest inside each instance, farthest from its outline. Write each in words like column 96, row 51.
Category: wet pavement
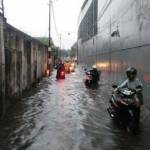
column 65, row 115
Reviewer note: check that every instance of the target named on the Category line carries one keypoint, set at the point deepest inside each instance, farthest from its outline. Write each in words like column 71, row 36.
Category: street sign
column 49, row 49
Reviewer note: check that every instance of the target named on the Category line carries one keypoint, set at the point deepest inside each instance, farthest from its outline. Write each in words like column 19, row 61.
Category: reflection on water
column 64, row 115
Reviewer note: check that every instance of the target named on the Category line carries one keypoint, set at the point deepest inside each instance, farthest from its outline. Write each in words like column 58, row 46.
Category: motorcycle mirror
column 139, row 87
column 114, row 86
column 85, row 69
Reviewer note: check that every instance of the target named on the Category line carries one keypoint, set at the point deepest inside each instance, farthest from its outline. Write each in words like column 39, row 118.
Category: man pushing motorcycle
column 134, row 84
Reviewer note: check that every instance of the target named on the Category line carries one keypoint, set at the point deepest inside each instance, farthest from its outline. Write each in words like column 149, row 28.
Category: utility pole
column 2, row 7
column 50, row 5
column 60, row 38
column 49, row 53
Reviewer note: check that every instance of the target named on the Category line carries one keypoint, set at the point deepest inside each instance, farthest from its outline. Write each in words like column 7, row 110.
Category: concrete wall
column 26, row 62
column 2, row 68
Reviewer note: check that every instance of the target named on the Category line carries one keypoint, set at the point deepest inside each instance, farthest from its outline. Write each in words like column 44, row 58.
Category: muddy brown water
column 65, row 115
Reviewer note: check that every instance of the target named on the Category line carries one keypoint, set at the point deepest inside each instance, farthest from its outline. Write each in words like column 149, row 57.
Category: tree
column 45, row 40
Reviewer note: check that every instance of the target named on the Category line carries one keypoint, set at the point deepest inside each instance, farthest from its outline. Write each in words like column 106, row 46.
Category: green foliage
column 56, row 50
column 45, row 40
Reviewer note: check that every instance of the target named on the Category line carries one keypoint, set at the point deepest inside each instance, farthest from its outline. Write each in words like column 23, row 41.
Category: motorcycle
column 60, row 74
column 88, row 80
column 121, row 107
column 60, row 71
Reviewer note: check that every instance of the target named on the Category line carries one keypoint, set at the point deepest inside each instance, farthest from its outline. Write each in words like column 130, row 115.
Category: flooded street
column 65, row 115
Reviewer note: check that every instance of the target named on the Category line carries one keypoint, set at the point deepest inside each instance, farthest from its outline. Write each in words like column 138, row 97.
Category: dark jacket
column 60, row 67
column 95, row 75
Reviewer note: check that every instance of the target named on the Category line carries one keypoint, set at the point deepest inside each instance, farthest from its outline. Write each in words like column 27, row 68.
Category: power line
column 54, row 18
column 59, row 36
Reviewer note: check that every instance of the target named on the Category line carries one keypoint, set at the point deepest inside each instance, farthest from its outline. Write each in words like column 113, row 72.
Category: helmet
column 131, row 71
column 94, row 66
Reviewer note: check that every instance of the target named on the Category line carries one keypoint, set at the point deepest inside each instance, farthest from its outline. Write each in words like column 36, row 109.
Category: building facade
column 121, row 38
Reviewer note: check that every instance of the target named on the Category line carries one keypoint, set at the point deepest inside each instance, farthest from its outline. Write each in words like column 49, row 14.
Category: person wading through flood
column 134, row 83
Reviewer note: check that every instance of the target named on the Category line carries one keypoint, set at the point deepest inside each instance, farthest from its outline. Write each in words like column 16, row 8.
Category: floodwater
column 65, row 115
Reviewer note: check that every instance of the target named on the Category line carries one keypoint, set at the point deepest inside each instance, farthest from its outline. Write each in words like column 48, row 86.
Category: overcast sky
column 31, row 16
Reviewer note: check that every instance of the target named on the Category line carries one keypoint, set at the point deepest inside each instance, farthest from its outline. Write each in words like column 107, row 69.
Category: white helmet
column 94, row 66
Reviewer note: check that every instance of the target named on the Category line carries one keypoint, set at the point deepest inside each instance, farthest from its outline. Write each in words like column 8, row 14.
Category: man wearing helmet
column 60, row 67
column 134, row 83
column 95, row 74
